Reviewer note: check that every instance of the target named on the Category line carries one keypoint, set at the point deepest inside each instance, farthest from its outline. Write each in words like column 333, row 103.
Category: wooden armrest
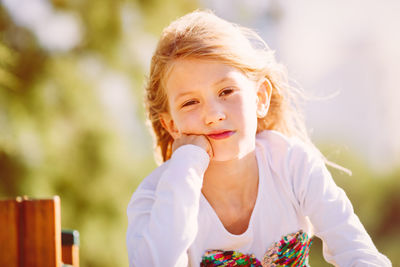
column 30, row 234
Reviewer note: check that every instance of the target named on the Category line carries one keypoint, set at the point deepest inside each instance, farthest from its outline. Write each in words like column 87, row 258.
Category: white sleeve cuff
column 196, row 156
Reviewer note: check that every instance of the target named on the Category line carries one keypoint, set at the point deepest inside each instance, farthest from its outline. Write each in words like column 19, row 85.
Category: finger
column 210, row 149
column 211, row 153
column 178, row 135
column 195, row 134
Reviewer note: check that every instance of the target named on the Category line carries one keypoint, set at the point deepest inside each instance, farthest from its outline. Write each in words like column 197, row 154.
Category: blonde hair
column 203, row 35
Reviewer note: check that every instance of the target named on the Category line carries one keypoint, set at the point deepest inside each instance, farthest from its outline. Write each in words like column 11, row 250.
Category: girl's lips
column 221, row 135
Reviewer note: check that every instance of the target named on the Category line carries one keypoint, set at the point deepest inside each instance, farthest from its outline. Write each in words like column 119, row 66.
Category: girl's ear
column 263, row 97
column 168, row 124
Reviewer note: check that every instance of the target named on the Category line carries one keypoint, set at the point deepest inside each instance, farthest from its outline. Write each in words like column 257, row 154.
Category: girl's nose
column 214, row 114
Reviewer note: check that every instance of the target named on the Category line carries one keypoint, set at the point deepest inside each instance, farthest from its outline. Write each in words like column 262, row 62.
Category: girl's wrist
column 192, row 154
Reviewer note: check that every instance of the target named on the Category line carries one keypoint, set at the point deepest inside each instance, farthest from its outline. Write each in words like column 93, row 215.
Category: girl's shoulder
column 291, row 164
column 283, row 151
column 150, row 182
column 274, row 140
column 278, row 143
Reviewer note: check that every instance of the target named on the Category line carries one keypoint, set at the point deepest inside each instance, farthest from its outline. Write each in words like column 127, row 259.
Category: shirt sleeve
column 162, row 221
column 345, row 240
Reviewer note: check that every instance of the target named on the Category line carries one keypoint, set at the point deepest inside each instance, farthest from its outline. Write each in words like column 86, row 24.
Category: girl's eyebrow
column 224, row 79
column 182, row 95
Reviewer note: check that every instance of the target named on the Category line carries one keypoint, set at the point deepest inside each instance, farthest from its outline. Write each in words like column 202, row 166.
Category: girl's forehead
column 198, row 66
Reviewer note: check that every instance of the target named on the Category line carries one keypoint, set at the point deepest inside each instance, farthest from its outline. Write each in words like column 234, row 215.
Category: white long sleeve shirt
column 172, row 224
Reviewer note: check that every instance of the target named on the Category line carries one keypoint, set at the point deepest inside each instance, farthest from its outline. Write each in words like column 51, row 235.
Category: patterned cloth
column 292, row 250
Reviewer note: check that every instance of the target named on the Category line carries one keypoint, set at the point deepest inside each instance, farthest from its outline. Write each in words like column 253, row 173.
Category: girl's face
column 218, row 101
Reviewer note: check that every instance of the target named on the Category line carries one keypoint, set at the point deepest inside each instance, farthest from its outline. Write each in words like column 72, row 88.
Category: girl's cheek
column 189, row 122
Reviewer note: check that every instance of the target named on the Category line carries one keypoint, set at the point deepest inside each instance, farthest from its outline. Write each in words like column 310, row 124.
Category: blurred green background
column 63, row 98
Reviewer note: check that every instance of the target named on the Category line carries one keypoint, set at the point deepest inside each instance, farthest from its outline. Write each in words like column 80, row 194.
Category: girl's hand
column 192, row 139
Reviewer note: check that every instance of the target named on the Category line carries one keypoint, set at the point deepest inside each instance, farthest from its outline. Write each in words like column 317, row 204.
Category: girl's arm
column 345, row 240
column 162, row 214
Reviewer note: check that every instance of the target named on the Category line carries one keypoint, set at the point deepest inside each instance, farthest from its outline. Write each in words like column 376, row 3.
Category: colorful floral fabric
column 213, row 258
column 291, row 250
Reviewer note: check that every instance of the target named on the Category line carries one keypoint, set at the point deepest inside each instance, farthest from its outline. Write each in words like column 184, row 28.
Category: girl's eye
column 189, row 103
column 226, row 92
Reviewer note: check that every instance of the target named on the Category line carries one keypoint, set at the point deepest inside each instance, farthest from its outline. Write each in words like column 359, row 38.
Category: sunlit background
column 72, row 121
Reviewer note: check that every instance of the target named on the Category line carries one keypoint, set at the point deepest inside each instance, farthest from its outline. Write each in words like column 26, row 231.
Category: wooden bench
column 30, row 234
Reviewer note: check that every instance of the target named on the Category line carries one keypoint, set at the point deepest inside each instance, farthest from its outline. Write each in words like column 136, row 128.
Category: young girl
column 241, row 183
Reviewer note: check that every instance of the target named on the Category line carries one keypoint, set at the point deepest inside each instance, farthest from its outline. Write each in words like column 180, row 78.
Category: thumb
column 209, row 148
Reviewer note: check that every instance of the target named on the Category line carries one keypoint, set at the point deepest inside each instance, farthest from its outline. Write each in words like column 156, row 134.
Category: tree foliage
column 72, row 124
column 61, row 132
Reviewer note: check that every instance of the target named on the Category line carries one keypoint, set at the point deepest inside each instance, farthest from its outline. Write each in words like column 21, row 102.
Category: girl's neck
column 236, row 179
